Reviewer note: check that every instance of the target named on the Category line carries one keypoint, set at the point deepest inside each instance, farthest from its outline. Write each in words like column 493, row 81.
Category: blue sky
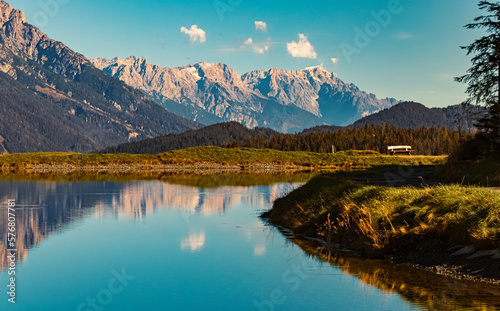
column 410, row 51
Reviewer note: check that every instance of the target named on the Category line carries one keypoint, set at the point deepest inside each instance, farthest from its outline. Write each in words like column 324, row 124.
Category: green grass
column 378, row 219
column 236, row 156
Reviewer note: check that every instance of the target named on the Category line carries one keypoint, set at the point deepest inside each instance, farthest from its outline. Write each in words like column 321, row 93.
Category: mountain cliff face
column 54, row 99
column 286, row 101
column 214, row 92
column 317, row 91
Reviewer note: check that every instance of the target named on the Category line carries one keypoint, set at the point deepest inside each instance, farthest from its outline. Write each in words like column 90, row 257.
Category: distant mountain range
column 53, row 99
column 286, row 101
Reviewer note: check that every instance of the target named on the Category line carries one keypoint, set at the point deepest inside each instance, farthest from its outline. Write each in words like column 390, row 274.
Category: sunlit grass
column 378, row 218
column 234, row 156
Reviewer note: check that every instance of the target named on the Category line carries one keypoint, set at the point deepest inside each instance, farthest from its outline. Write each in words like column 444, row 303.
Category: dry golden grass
column 378, row 218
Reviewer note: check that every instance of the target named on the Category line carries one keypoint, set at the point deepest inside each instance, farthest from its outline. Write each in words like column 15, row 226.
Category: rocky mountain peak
column 320, row 73
column 103, row 62
column 300, row 88
column 137, row 61
column 7, row 13
column 317, row 73
column 27, row 41
column 219, row 73
column 129, row 61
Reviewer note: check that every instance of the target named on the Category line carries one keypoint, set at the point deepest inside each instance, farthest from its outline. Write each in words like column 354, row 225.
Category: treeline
column 425, row 141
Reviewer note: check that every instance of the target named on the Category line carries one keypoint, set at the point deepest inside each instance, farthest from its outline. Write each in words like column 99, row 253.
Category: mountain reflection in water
column 69, row 202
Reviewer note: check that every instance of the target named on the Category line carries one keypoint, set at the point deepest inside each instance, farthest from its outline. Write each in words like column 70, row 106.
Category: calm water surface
column 152, row 245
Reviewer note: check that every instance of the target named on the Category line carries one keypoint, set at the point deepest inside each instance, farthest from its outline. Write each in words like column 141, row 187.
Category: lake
column 192, row 244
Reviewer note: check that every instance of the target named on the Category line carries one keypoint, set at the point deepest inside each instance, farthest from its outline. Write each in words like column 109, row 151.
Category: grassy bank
column 381, row 221
column 220, row 156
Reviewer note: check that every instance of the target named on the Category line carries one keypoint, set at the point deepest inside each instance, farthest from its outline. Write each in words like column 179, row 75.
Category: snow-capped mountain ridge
column 286, row 101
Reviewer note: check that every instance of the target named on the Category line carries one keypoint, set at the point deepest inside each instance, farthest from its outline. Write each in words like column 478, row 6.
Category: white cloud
column 404, row 36
column 335, row 60
column 250, row 44
column 194, row 242
column 195, row 34
column 259, row 250
column 302, row 49
column 257, row 48
column 260, row 25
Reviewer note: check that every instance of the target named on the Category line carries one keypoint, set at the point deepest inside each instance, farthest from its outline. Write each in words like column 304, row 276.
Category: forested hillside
column 415, row 115
column 215, row 135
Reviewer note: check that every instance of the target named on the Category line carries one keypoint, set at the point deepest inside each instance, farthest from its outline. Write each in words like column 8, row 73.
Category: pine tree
column 483, row 77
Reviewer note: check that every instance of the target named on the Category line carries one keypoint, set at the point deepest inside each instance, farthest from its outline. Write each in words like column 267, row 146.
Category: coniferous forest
column 425, row 141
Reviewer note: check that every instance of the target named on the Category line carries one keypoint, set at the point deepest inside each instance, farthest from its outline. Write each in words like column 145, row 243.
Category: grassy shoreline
column 207, row 159
column 420, row 226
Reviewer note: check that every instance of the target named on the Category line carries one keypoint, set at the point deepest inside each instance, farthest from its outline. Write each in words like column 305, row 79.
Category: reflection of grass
column 378, row 219
column 425, row 289
column 236, row 179
column 233, row 156
column 193, row 180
